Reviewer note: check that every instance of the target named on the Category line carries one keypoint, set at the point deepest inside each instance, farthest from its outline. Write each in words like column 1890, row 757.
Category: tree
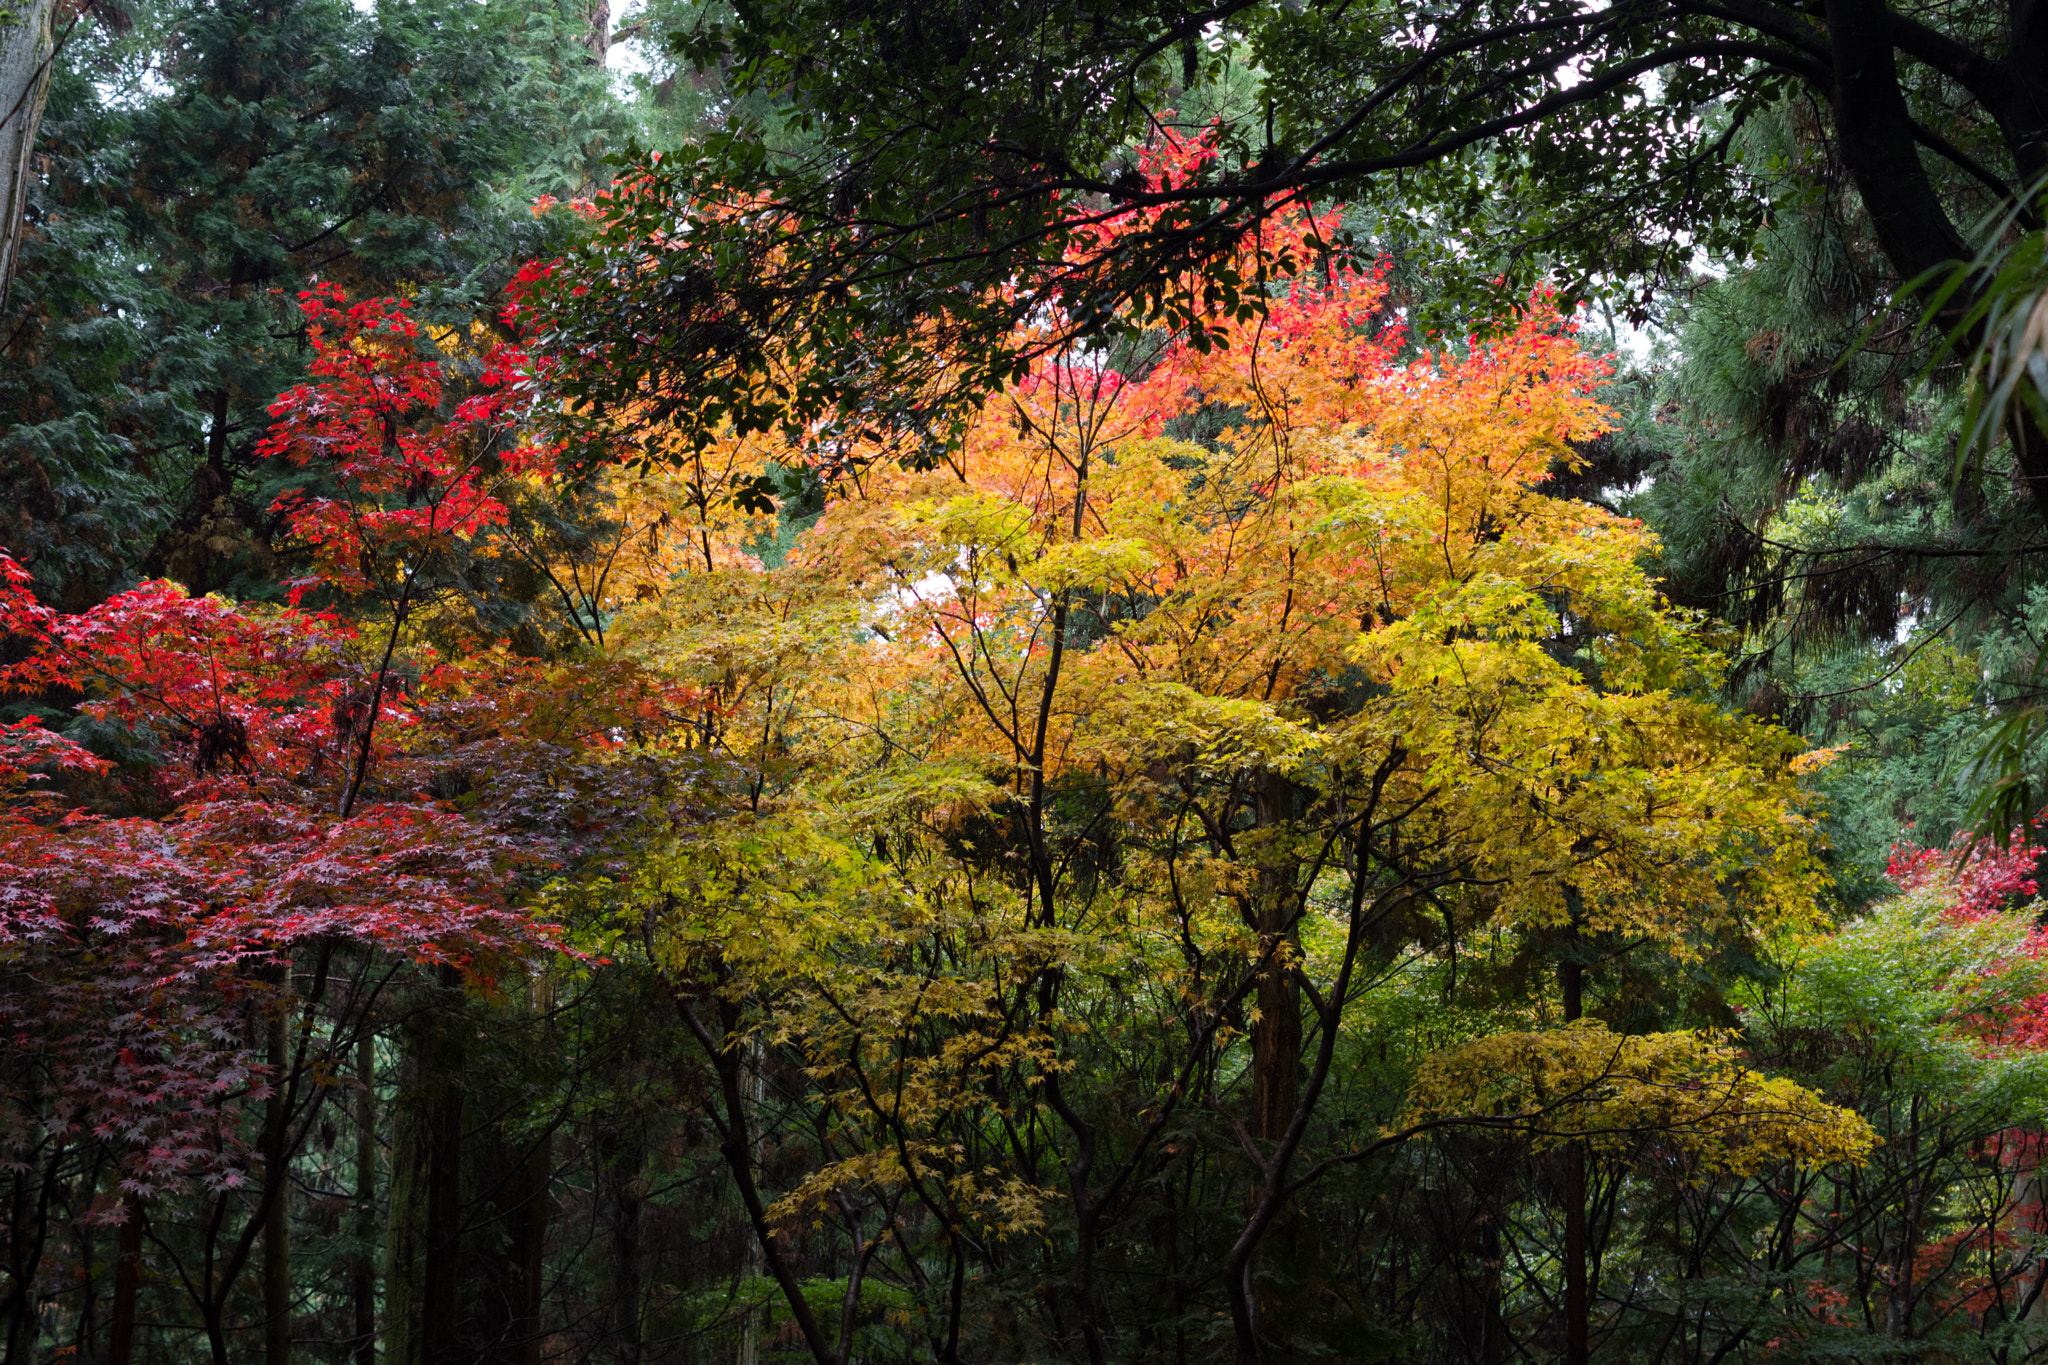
column 1924, row 1015
column 267, row 1088
column 202, row 170
column 294, row 867
column 27, row 46
column 147, row 942
column 1224, row 846
column 1084, row 785
column 955, row 178
column 1819, row 484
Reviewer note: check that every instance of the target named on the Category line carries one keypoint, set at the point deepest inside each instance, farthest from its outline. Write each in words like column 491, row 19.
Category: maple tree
column 266, row 887
column 950, row 184
column 1925, row 1016
column 1583, row 1084
column 149, row 941
column 1096, row 780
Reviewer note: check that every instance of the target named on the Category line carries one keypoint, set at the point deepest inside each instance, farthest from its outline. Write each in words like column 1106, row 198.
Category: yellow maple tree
column 1153, row 719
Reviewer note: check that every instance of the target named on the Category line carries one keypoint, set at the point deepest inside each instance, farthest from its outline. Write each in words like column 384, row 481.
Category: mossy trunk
column 27, row 54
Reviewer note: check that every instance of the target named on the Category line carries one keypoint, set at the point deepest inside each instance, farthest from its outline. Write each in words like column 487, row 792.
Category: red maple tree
column 186, row 969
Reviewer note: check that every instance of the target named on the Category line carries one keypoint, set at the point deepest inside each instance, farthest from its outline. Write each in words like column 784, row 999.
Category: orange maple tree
column 1177, row 699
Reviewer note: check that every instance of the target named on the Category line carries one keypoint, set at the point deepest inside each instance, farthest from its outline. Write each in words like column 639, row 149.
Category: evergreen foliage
column 204, row 168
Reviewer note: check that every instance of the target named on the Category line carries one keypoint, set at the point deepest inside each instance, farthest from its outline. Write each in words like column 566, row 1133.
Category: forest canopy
column 966, row 682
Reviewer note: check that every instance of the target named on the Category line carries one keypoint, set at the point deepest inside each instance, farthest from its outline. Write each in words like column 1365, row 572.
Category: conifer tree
column 205, row 168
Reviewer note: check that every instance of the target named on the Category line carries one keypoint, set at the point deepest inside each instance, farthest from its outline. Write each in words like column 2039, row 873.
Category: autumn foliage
column 1055, row 817
column 242, row 733
column 1211, row 692
column 407, row 478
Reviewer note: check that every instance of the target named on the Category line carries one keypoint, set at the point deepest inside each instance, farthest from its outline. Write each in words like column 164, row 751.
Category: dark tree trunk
column 621, row 1154
column 27, row 54
column 503, row 1263
column 1577, row 1306
column 1875, row 132
column 1491, row 1329
column 127, row 1284
column 421, row 1278
column 363, row 1273
column 533, row 1241
column 440, row 1306
column 24, row 1254
column 405, row 1231
column 1276, row 1038
column 277, row 1212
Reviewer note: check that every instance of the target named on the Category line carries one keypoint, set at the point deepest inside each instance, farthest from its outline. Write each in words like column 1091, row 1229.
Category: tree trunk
column 127, row 1285
column 1491, row 1346
column 531, row 1188
column 1875, row 130
column 597, row 31
column 363, row 1273
column 1577, row 1307
column 405, row 1232
column 622, row 1153
column 27, row 54
column 533, row 1231
column 1276, row 1039
column 277, row 1213
column 750, row 1325
column 24, row 1258
column 425, row 1197
column 214, row 1319
column 1902, row 1293
column 440, row 1309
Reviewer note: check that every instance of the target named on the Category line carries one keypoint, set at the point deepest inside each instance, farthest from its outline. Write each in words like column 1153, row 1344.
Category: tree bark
column 27, row 53
column 440, row 1342
column 1276, row 1039
column 1577, row 1306
column 533, row 1247
column 127, row 1284
column 1874, row 130
column 750, row 1327
column 363, row 1274
column 277, row 1213
column 405, row 1231
column 27, row 1225
column 425, row 1197
column 597, row 32
column 622, row 1153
